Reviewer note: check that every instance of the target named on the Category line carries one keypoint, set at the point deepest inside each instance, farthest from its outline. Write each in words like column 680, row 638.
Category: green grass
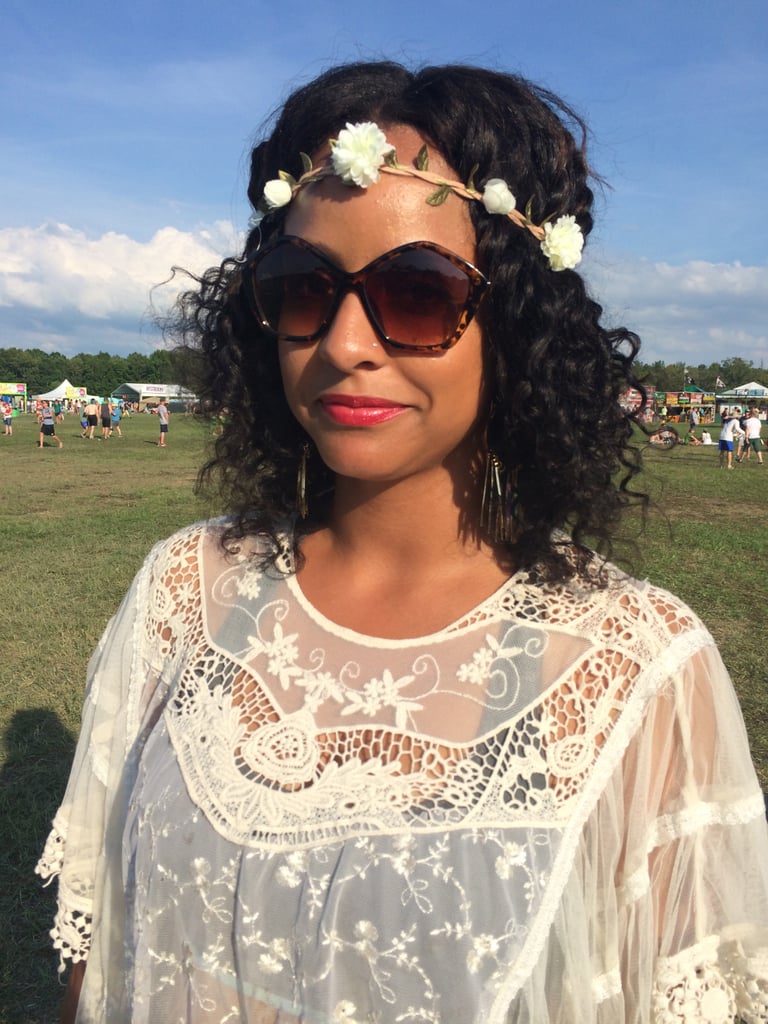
column 75, row 526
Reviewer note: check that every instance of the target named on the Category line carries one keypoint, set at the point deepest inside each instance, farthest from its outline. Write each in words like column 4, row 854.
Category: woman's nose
column 351, row 339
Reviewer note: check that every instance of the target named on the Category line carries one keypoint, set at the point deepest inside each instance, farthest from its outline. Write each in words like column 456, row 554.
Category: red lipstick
column 360, row 410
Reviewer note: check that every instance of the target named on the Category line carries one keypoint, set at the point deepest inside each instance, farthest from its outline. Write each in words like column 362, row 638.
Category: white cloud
column 55, row 267
column 61, row 290
column 696, row 312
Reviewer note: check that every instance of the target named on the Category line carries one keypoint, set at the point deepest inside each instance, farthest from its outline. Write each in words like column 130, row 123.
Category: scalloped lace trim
column 713, row 982
column 71, row 932
column 50, row 863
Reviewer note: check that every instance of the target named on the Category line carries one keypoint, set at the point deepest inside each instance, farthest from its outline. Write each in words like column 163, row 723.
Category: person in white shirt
column 753, row 443
column 730, row 430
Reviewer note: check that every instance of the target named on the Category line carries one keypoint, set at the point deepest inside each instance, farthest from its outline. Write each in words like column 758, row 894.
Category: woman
column 390, row 743
column 48, row 426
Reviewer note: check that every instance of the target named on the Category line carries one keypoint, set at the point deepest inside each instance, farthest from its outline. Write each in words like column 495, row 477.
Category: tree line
column 101, row 373
column 675, row 376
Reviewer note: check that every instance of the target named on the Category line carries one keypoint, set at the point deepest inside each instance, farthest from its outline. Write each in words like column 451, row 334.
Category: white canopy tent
column 64, row 390
column 745, row 392
column 744, row 397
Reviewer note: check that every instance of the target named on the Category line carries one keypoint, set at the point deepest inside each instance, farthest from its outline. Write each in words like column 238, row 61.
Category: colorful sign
column 13, row 389
column 631, row 399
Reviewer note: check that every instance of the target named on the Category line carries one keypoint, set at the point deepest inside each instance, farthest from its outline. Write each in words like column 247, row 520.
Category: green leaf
column 422, row 160
column 438, row 197
column 306, row 162
column 390, row 158
column 528, row 208
column 285, row 176
column 471, row 179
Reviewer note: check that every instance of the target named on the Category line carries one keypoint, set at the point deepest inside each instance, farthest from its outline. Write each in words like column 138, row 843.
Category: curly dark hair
column 556, row 375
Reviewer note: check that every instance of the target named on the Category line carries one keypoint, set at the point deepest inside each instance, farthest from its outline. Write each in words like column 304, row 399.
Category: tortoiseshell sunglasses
column 419, row 296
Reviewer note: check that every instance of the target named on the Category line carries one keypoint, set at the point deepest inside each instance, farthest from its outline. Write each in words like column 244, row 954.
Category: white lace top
column 544, row 813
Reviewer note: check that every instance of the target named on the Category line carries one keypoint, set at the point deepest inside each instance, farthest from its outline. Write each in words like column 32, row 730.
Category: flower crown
column 361, row 153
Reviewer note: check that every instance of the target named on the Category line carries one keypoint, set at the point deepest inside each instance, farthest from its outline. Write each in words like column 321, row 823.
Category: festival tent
column 746, row 394
column 152, row 393
column 64, row 390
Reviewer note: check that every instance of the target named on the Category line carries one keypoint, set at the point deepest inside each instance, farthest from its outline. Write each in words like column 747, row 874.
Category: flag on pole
column 719, row 383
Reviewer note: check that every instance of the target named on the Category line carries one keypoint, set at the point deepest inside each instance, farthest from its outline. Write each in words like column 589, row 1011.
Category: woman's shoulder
column 621, row 604
column 215, row 540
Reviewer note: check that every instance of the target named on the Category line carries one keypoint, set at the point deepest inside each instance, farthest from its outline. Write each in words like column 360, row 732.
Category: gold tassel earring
column 301, row 483
column 500, row 505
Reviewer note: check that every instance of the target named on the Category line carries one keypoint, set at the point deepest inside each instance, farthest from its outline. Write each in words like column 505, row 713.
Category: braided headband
column 361, row 154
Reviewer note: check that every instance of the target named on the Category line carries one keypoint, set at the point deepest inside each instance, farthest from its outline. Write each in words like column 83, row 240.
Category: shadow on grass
column 39, row 751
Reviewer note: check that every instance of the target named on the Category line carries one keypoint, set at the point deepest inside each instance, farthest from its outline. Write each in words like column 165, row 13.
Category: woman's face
column 376, row 414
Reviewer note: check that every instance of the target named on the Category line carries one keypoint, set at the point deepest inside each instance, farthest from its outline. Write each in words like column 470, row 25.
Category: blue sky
column 125, row 130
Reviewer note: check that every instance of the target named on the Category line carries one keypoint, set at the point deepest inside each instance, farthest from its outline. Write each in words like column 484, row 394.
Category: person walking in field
column 163, row 415
column 730, row 430
column 117, row 414
column 106, row 419
column 752, row 428
column 7, row 410
column 48, row 426
column 91, row 412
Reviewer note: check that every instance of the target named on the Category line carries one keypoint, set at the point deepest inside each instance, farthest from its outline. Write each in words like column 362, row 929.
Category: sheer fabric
column 544, row 813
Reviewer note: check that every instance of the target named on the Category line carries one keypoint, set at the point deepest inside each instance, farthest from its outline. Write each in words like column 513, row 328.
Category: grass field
column 75, row 525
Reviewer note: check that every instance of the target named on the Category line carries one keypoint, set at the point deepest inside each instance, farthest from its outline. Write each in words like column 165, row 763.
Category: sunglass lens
column 418, row 297
column 294, row 291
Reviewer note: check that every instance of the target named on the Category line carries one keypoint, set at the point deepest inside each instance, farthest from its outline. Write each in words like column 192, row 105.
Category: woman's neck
column 399, row 560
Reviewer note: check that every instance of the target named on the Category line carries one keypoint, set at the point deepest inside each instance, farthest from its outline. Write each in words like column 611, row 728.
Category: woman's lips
column 360, row 410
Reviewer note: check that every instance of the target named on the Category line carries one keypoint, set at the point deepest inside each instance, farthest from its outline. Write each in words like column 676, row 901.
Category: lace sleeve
column 74, row 850
column 695, row 880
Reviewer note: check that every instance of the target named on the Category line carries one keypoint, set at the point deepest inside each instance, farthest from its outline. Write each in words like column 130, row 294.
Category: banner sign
column 631, row 399
column 13, row 389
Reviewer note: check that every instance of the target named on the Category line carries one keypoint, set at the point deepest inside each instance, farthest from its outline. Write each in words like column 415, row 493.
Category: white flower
column 477, row 672
column 269, row 964
column 483, row 946
column 514, row 855
column 248, row 585
column 292, row 873
column 277, row 193
column 497, row 198
column 343, row 1012
column 359, row 152
column 562, row 244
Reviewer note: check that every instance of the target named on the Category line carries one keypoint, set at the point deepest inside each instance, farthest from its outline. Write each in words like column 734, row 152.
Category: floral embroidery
column 383, row 693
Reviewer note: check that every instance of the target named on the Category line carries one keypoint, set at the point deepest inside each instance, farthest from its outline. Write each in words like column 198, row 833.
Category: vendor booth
column 677, row 406
column 147, row 396
column 16, row 394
